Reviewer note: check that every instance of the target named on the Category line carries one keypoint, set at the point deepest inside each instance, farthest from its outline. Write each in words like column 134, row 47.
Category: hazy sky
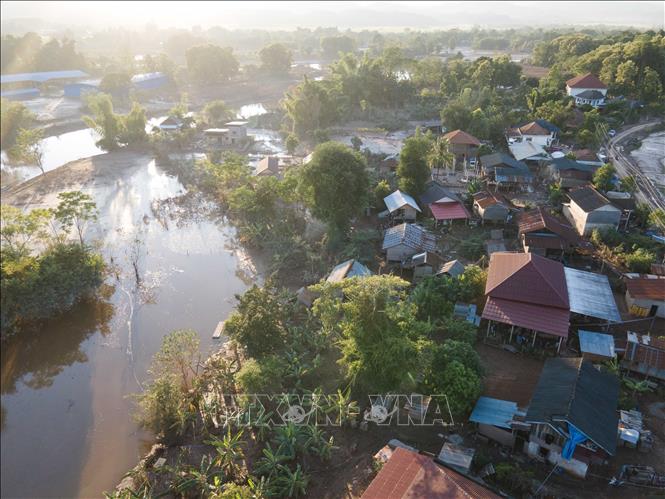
column 361, row 14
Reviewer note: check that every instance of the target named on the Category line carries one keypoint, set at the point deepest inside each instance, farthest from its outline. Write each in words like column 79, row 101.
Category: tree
column 602, row 179
column 216, row 113
column 331, row 46
column 459, row 383
column 335, row 185
column 133, row 129
column 76, row 210
column 257, row 324
column 211, row 63
column 20, row 232
column 651, row 89
column 310, row 108
column 556, row 195
column 657, row 217
column 413, row 170
column 640, row 261
column 291, row 143
column 115, row 83
column 381, row 190
column 627, row 77
column 104, row 121
column 440, row 154
column 179, row 357
column 380, row 337
column 356, row 142
column 276, row 58
column 14, row 116
column 27, row 148
column 628, row 184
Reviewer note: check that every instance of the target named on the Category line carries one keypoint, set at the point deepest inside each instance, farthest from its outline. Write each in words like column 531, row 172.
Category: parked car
column 612, row 133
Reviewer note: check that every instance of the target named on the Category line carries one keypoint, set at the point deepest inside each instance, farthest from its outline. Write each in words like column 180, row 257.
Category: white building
column 587, row 89
column 532, row 132
column 401, row 205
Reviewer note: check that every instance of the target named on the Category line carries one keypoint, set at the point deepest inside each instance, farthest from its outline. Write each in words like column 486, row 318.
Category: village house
column 453, row 268
column 410, row 475
column 504, row 170
column 463, row 145
column 542, row 233
column 348, row 269
column 268, row 166
column 234, row 133
column 491, row 206
column 538, row 132
column 535, row 296
column 443, row 205
column 170, row 124
column 401, row 206
column 424, row 264
column 588, row 209
column 496, row 419
column 587, row 89
column 588, row 157
column 570, row 173
column 645, row 355
column 573, row 415
column 405, row 240
column 645, row 295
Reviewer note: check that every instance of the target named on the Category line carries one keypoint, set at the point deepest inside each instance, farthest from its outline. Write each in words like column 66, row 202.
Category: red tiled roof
column 586, row 81
column 409, row 475
column 649, row 289
column 448, row 211
column 555, row 321
column 527, row 278
column 461, row 137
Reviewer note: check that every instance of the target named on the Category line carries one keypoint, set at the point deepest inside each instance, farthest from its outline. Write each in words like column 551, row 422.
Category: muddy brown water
column 67, row 416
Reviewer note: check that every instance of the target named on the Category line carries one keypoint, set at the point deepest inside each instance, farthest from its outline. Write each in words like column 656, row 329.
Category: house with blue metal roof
column 43, row 76
column 495, row 419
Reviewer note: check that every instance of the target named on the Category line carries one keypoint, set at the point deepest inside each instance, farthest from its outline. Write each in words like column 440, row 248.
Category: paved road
column 646, row 192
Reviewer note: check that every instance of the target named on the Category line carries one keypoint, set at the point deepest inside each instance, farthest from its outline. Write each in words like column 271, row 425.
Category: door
column 653, row 310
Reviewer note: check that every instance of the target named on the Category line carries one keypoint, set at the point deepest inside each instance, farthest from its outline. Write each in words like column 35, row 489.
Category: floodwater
column 67, row 425
column 57, row 150
column 249, row 110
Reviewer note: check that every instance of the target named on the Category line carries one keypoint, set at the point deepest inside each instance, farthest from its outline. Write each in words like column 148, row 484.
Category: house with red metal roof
column 544, row 234
column 587, row 89
column 408, row 474
column 528, row 292
column 443, row 204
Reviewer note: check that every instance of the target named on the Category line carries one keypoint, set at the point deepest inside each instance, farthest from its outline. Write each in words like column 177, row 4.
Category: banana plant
column 269, row 464
column 229, row 452
column 291, row 483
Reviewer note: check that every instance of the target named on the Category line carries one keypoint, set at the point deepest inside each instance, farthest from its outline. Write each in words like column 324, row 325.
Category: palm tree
column 440, row 155
column 291, row 483
column 229, row 452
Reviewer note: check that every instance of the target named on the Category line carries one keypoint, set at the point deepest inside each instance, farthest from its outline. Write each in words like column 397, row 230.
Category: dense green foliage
column 27, row 53
column 114, row 129
column 39, row 284
column 216, row 113
column 14, row 117
column 211, row 63
column 276, row 58
column 413, row 169
column 335, row 185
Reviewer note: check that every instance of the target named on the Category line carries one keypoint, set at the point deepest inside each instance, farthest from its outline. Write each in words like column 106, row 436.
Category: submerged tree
column 27, row 148
column 75, row 210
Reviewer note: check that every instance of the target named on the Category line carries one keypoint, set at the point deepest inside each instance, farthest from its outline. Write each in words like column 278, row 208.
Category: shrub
column 260, row 376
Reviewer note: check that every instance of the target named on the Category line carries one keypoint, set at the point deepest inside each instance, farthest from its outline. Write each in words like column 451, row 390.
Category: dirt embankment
column 84, row 174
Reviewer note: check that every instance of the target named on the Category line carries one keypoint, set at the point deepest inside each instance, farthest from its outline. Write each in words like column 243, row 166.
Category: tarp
column 576, row 437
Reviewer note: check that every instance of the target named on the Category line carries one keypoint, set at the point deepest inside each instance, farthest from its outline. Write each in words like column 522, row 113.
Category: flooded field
column 67, row 425
column 650, row 158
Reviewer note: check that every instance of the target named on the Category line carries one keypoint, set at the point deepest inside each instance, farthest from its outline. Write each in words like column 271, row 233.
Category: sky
column 354, row 15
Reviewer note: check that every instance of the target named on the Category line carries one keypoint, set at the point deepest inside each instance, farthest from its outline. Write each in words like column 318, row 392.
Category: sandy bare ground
column 84, row 175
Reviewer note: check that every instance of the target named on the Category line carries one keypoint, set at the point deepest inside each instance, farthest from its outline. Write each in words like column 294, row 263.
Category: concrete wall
column 504, row 437
column 572, row 466
column 647, row 304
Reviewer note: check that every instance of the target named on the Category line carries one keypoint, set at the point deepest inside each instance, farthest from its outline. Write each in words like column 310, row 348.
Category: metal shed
column 591, row 295
column 596, row 346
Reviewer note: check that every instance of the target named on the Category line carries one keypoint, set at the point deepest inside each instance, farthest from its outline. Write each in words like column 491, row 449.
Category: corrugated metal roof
column 646, row 288
column 138, row 78
column 538, row 219
column 21, row 92
column 435, row 191
column 597, row 343
column 588, row 198
column 449, row 211
column 42, row 76
column 399, row 199
column 454, row 268
column 350, row 268
column 494, row 412
column 462, row 138
column 572, row 390
column 591, row 295
column 554, row 321
column 528, row 278
column 524, row 150
column 569, row 164
column 411, row 235
column 408, row 474
column 501, row 159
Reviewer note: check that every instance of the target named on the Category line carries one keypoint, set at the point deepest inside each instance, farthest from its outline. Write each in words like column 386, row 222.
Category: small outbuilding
column 494, row 418
column 348, row 269
column 405, row 240
column 401, row 206
column 645, row 354
column 268, row 166
column 596, row 347
column 588, row 209
column 645, row 295
column 453, row 268
column 491, row 206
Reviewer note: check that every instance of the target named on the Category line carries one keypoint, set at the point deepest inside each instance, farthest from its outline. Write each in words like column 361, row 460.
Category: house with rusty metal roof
column 410, row 475
column 573, row 415
column 462, row 144
column 491, row 206
column 405, row 240
column 544, row 234
column 645, row 295
column 588, row 209
column 645, row 354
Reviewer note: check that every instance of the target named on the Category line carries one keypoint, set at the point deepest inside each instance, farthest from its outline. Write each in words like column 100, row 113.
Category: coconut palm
column 440, row 155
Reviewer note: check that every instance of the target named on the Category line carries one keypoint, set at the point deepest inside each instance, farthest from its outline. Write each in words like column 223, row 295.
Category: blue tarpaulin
column 576, row 437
